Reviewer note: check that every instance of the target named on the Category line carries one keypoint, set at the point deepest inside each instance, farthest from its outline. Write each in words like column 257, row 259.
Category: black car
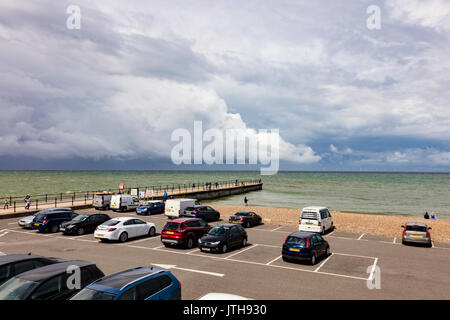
column 14, row 264
column 84, row 223
column 222, row 237
column 203, row 212
column 246, row 218
column 305, row 246
column 53, row 282
column 51, row 220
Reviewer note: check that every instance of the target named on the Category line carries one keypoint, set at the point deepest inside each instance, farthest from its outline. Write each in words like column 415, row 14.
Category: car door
column 89, row 223
column 142, row 227
column 130, row 228
column 149, row 290
column 235, row 236
column 204, row 228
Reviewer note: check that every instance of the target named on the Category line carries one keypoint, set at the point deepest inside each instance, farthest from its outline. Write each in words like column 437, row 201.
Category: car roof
column 313, row 208
column 221, row 296
column 227, row 225
column 244, row 212
column 17, row 257
column 47, row 272
column 421, row 224
column 124, row 218
column 90, row 213
column 124, row 278
column 182, row 220
column 302, row 234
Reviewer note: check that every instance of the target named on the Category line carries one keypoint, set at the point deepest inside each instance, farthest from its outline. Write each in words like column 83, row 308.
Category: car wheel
column 152, row 232
column 55, row 229
column 190, row 243
column 286, row 259
column 167, row 245
column 224, row 248
column 313, row 259
column 80, row 231
column 244, row 242
column 328, row 252
column 123, row 237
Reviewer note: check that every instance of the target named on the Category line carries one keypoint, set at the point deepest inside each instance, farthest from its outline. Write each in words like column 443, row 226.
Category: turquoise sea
column 408, row 194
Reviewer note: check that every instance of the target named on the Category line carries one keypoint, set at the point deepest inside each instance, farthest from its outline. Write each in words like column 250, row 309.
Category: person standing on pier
column 27, row 200
column 6, row 204
column 245, row 201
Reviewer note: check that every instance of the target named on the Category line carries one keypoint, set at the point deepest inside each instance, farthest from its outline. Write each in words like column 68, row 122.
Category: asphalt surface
column 361, row 266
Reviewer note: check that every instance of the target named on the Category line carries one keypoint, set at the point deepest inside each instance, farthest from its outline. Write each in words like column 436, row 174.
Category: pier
column 83, row 199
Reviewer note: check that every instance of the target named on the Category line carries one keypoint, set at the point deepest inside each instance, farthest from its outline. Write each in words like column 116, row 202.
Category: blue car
column 141, row 283
column 51, row 220
column 305, row 246
column 151, row 207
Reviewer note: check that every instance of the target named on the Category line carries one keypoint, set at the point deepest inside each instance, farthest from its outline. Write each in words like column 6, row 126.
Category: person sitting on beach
column 6, row 204
column 433, row 215
column 245, row 201
column 426, row 216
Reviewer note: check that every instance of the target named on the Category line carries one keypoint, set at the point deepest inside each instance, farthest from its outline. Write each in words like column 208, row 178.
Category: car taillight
column 111, row 229
column 195, row 210
column 404, row 232
column 45, row 222
column 307, row 242
column 231, row 217
column 428, row 234
column 242, row 218
column 299, row 221
column 320, row 224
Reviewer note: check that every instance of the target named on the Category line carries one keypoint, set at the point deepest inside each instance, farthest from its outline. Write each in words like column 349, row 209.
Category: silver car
column 416, row 232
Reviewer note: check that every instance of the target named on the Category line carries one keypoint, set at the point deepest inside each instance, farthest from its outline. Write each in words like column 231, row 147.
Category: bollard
column 56, row 202
column 72, row 200
column 37, row 203
column 14, row 206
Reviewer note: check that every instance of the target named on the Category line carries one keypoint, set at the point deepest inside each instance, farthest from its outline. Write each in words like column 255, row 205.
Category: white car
column 315, row 219
column 221, row 296
column 123, row 228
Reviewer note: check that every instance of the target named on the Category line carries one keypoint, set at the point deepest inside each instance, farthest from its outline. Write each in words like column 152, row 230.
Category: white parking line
column 373, row 269
column 272, row 261
column 361, row 236
column 321, row 265
column 4, row 234
column 395, row 239
column 276, row 229
column 250, row 247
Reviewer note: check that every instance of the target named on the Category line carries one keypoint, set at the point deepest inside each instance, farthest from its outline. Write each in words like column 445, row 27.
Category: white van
column 315, row 219
column 174, row 207
column 124, row 202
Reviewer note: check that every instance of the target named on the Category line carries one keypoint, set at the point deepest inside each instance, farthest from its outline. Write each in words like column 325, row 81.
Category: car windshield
column 111, row 222
column 296, row 241
column 41, row 216
column 81, row 217
column 309, row 215
column 89, row 294
column 218, row 231
column 416, row 228
column 16, row 289
column 242, row 214
column 172, row 225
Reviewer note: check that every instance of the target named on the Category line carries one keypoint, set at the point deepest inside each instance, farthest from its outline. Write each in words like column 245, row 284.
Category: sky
column 110, row 94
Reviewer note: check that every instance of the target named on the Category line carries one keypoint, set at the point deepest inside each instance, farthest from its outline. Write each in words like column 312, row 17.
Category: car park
column 315, row 219
column 184, row 231
column 416, row 232
column 102, row 200
column 223, row 237
column 175, row 207
column 203, row 212
column 14, row 264
column 246, row 218
column 49, row 282
column 27, row 222
column 124, row 202
column 150, row 207
column 124, row 228
column 142, row 283
column 51, row 220
column 305, row 246
column 84, row 223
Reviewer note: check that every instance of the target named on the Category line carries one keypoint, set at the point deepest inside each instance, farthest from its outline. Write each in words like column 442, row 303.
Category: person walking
column 165, row 196
column 6, row 204
column 245, row 201
column 27, row 200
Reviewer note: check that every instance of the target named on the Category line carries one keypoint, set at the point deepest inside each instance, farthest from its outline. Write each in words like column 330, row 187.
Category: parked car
column 305, row 246
column 102, row 200
column 14, row 264
column 124, row 202
column 416, row 232
column 124, row 228
column 150, row 207
column 315, row 219
column 203, row 212
column 49, row 282
column 246, row 218
column 142, row 283
column 222, row 237
column 51, row 220
column 175, row 207
column 27, row 222
column 84, row 223
column 184, row 231
column 222, row 296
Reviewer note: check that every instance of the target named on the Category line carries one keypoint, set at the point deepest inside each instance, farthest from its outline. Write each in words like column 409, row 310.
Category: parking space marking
column 4, row 234
column 395, row 239
column 240, row 251
column 272, row 261
column 276, row 229
column 360, row 237
column 321, row 265
column 372, row 271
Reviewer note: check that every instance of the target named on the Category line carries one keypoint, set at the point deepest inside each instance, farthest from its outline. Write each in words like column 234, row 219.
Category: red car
column 184, row 231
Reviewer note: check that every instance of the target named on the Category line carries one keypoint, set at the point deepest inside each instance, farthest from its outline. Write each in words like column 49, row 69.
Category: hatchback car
column 142, row 283
column 27, row 222
column 222, row 237
column 52, row 282
column 305, row 246
column 150, row 207
column 51, row 220
column 315, row 219
column 416, row 232
column 84, row 223
column 246, row 218
column 184, row 231
column 203, row 212
column 14, row 264
column 123, row 228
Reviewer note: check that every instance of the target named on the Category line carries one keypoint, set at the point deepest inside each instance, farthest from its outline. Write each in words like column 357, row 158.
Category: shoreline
column 374, row 224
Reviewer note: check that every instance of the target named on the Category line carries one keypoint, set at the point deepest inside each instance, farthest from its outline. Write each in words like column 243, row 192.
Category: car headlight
column 215, row 243
column 199, row 240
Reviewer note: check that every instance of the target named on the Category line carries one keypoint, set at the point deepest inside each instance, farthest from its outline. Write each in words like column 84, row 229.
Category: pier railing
column 69, row 198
